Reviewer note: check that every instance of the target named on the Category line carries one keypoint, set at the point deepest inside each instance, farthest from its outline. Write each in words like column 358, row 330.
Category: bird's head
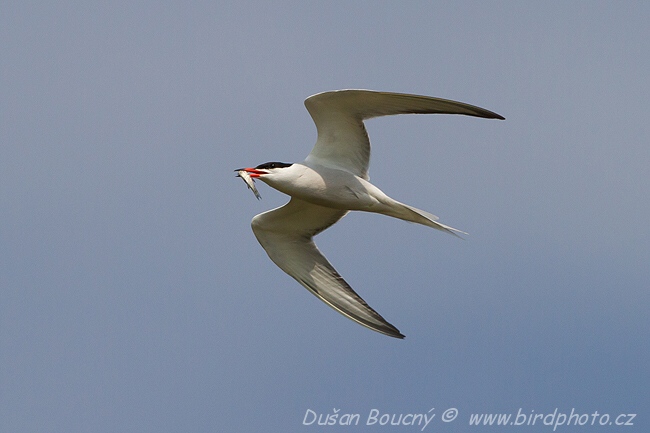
column 267, row 168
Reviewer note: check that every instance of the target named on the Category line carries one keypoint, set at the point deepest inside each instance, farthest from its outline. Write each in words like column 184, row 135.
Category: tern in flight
column 332, row 181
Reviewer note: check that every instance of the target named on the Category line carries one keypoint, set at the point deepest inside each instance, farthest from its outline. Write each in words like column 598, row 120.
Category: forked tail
column 415, row 215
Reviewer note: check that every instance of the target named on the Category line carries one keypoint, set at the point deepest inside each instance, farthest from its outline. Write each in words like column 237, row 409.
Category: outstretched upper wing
column 286, row 234
column 342, row 139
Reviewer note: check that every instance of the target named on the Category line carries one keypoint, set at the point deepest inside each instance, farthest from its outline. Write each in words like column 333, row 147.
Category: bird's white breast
column 325, row 186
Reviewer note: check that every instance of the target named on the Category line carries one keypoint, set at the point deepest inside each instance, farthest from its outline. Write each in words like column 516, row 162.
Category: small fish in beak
column 249, row 181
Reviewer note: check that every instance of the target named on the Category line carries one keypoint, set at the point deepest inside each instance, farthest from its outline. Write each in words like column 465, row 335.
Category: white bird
column 332, row 181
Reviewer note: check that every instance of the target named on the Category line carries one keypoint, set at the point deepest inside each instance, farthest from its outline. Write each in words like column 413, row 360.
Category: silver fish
column 249, row 181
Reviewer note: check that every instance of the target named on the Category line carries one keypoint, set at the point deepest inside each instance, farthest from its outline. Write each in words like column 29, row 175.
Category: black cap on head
column 268, row 165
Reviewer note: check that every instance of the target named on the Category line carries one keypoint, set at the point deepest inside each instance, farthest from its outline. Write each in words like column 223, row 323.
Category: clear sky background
column 135, row 298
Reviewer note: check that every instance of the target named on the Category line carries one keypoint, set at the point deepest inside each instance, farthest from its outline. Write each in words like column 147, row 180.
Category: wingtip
column 491, row 115
column 392, row 331
column 393, row 334
column 455, row 232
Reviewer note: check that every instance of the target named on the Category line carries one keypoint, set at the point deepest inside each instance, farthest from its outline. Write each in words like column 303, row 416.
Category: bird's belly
column 336, row 198
column 333, row 189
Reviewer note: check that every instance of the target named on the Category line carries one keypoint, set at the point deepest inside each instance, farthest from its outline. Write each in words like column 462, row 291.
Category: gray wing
column 286, row 233
column 342, row 139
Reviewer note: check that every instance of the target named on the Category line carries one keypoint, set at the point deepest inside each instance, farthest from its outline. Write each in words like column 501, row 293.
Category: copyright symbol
column 449, row 415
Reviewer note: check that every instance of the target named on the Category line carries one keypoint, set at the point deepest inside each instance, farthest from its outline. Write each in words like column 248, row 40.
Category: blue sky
column 135, row 298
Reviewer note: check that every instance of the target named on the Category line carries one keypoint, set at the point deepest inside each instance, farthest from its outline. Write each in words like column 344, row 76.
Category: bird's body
column 332, row 181
column 325, row 186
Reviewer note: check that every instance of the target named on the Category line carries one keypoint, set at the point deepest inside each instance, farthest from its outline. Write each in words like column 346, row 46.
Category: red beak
column 253, row 172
